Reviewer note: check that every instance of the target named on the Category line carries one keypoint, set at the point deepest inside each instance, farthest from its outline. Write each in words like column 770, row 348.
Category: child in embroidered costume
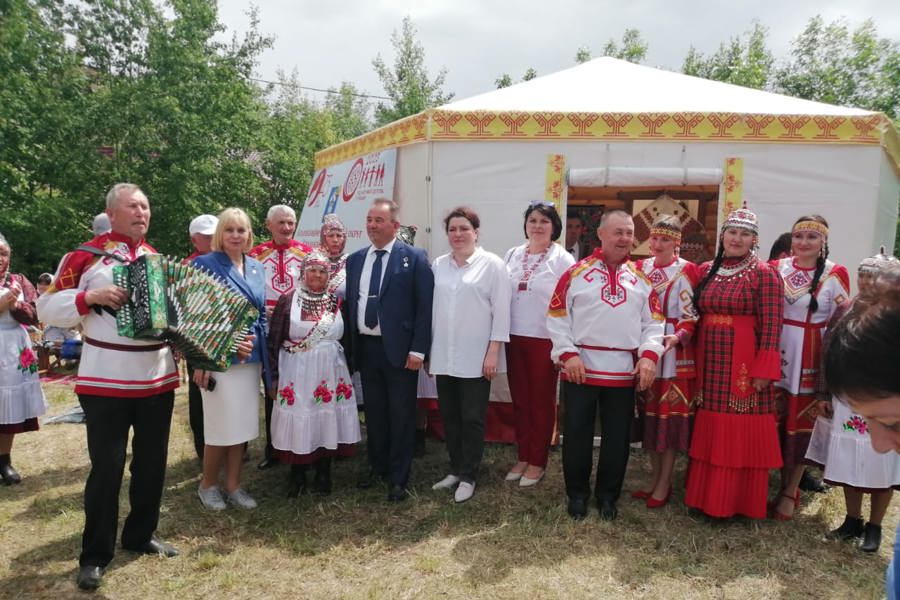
column 843, row 445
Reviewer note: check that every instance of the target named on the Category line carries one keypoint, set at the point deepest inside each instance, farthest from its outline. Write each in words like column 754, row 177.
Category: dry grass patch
column 504, row 543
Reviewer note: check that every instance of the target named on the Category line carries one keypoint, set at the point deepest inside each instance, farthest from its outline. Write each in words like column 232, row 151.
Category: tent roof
column 612, row 85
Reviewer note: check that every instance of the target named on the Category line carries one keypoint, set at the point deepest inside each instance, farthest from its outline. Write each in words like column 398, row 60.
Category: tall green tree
column 829, row 63
column 744, row 60
column 407, row 82
column 349, row 111
column 632, row 48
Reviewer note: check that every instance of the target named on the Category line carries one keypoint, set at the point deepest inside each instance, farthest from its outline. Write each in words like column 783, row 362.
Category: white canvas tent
column 610, row 123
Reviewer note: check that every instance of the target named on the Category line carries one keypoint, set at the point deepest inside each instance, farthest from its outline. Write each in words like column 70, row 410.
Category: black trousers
column 616, row 406
column 195, row 413
column 269, row 403
column 463, row 404
column 390, row 405
column 108, row 423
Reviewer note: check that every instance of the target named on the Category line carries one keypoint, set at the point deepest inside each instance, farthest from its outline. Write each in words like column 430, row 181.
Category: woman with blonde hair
column 231, row 399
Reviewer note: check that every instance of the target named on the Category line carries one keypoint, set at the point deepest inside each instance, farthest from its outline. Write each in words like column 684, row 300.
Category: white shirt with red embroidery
column 282, row 264
column 105, row 371
column 607, row 318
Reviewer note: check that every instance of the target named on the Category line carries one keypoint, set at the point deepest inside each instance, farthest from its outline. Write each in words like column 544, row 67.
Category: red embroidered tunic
column 282, row 264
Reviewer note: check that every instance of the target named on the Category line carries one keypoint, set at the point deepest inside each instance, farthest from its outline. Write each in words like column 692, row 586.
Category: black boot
column 297, row 481
column 9, row 475
column 872, row 539
column 323, row 476
column 419, row 450
column 851, row 528
column 809, row 483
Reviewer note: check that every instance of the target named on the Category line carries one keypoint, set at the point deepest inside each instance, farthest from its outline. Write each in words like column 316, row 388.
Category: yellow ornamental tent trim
column 443, row 125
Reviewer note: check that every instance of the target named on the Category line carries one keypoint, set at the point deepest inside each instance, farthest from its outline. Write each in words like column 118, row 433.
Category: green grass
column 504, row 543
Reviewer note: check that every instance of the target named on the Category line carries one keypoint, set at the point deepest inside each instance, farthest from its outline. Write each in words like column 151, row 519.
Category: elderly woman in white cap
column 735, row 438
column 21, row 398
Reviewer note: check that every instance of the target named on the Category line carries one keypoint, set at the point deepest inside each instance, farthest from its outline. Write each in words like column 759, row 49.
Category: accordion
column 200, row 316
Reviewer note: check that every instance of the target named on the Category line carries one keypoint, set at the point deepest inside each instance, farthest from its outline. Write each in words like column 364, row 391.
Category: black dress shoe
column 872, row 539
column 577, row 508
column 808, row 483
column 851, row 528
column 155, row 546
column 398, row 493
column 7, row 472
column 368, row 479
column 608, row 510
column 267, row 463
column 89, row 577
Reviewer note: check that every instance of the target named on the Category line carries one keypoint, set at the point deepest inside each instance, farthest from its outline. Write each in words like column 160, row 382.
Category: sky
column 327, row 42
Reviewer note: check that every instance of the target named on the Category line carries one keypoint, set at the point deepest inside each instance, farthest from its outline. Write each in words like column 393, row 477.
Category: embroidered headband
column 666, row 226
column 742, row 218
column 813, row 226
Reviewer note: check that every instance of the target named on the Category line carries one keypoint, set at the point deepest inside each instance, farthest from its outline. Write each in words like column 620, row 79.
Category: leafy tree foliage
column 407, row 83
column 742, row 61
column 582, row 55
column 829, row 63
column 632, row 48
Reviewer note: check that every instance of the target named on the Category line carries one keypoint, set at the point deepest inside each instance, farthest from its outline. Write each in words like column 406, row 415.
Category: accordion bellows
column 199, row 315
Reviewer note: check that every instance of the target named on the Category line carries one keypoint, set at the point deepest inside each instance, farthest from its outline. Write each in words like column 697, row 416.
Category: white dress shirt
column 470, row 310
column 364, row 279
column 528, row 313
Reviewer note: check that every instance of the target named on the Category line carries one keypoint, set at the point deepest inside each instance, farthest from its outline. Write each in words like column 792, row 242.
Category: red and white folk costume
column 110, row 365
column 282, row 264
column 801, row 349
column 668, row 407
column 734, row 443
column 589, row 315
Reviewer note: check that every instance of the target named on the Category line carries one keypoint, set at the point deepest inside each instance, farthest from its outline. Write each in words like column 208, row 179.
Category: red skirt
column 731, row 455
column 343, row 450
column 667, row 415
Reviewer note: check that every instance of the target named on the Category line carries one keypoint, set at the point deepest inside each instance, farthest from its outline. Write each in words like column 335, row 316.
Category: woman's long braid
column 713, row 269
column 820, row 268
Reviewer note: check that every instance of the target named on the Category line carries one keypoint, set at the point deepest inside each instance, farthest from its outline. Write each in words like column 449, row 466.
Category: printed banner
column 554, row 177
column 347, row 190
column 732, row 197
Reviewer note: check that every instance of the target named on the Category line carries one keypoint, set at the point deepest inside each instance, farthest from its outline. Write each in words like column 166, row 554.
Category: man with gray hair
column 281, row 257
column 122, row 384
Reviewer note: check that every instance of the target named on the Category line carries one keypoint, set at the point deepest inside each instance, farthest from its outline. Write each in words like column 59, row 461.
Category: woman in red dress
column 735, row 437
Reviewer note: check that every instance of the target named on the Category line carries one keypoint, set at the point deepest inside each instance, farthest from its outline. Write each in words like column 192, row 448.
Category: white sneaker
column 242, row 499
column 211, row 498
column 446, row 483
column 464, row 491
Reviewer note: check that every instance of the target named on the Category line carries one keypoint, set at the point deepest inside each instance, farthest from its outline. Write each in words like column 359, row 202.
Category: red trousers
column 532, row 385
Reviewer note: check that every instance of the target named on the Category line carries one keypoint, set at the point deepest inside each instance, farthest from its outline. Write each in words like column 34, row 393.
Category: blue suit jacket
column 253, row 287
column 404, row 305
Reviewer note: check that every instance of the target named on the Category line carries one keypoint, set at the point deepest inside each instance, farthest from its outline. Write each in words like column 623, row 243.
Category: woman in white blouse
column 534, row 268
column 470, row 323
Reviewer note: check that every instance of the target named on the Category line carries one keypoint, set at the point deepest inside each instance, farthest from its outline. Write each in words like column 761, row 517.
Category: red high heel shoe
column 654, row 503
column 781, row 516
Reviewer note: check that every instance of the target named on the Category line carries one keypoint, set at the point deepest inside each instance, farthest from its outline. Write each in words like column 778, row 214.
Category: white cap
column 101, row 224
column 204, row 224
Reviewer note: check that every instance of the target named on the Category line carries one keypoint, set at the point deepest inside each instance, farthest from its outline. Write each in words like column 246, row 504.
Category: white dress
column 842, row 444
column 21, row 396
column 315, row 407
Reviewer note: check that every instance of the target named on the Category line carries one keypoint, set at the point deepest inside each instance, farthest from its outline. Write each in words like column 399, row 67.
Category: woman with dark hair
column 813, row 289
column 781, row 248
column 470, row 323
column 667, row 408
column 534, row 268
column 735, row 439
column 21, row 397
column 861, row 370
column 843, row 444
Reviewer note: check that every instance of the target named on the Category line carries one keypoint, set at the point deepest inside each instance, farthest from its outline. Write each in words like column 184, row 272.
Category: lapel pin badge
column 405, row 262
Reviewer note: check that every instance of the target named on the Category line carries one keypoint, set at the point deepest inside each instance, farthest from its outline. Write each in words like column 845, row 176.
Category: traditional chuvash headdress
column 331, row 223
column 742, row 218
column 668, row 226
column 878, row 262
column 316, row 258
column 813, row 226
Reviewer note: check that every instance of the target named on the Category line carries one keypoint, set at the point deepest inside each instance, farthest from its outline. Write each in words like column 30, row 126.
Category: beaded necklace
column 737, row 269
column 529, row 270
column 319, row 306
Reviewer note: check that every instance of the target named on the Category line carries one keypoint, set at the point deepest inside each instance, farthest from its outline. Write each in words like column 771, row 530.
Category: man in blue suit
column 389, row 292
